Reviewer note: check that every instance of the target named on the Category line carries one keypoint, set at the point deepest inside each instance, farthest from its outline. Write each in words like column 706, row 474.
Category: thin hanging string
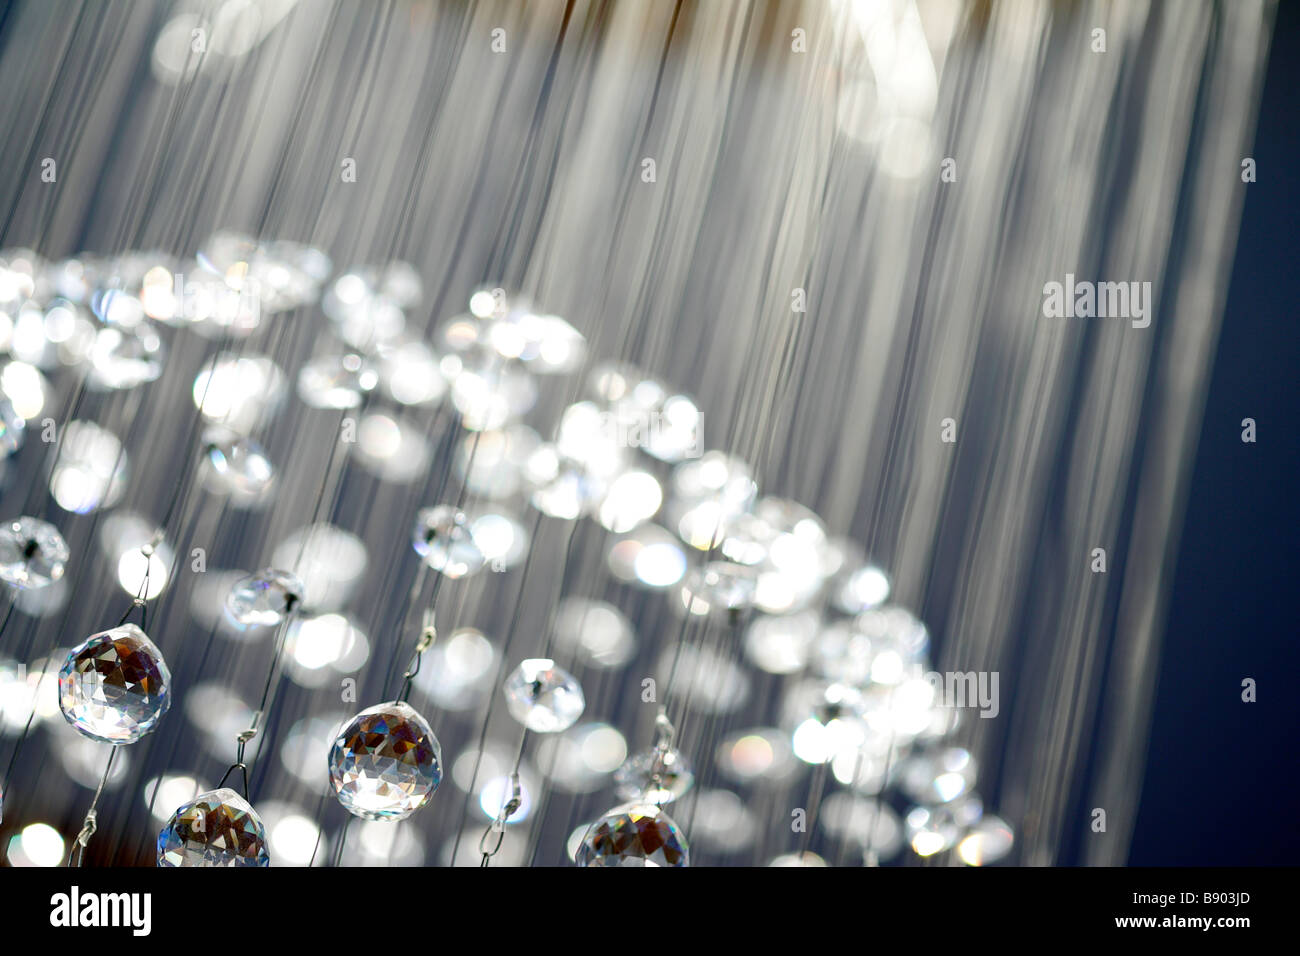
column 343, row 839
column 90, row 823
column 428, row 630
column 337, row 855
column 11, row 602
column 263, row 705
column 494, row 835
column 451, row 435
column 141, row 593
column 869, row 855
column 186, row 482
column 502, row 668
column 489, row 844
column 59, row 446
column 158, row 781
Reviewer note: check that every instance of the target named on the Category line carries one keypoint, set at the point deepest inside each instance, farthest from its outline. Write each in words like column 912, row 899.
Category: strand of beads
column 220, row 827
column 114, row 687
column 640, row 832
column 545, row 699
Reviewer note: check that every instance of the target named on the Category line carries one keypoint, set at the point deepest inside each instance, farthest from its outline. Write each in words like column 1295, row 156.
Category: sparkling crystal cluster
column 385, row 762
column 263, row 599
column 634, row 835
column 237, row 465
column 444, row 538
column 542, row 697
column 114, row 686
column 217, row 828
column 629, row 455
column 658, row 776
column 32, row 553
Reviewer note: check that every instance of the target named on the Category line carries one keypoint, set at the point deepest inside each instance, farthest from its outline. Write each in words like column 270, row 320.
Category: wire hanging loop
column 428, row 634
column 90, row 823
column 135, row 603
column 665, row 734
column 139, row 601
column 497, row 827
column 79, row 845
column 240, row 743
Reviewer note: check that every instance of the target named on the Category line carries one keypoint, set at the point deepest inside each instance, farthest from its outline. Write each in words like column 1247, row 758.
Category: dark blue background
column 1222, row 785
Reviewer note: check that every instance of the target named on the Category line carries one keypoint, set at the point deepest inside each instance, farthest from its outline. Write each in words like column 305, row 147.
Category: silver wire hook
column 498, row 826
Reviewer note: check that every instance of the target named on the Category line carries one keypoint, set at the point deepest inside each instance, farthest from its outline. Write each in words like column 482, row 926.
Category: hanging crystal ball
column 217, row 828
column 238, row 465
column 336, row 381
column 636, row 834
column 542, row 697
column 263, row 599
column 442, row 538
column 12, row 428
column 32, row 553
column 114, row 686
column 125, row 358
column 719, row 589
column 385, row 763
column 654, row 776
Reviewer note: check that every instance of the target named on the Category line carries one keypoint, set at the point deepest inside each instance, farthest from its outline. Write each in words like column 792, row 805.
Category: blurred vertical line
column 1228, row 114
column 923, row 298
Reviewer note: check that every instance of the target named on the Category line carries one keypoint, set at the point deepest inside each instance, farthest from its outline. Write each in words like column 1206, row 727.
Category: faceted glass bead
column 385, row 763
column 125, row 358
column 542, row 697
column 336, row 381
column 613, row 381
column 217, row 828
column 938, row 776
column 675, row 430
column 366, row 309
column 12, row 427
column 785, row 517
column 442, row 537
column 843, row 653
column 567, row 491
column 719, row 477
column 634, row 835
column 114, row 685
column 92, row 469
column 489, row 395
column 545, row 343
column 591, row 440
column 263, row 599
column 719, row 589
column 895, row 628
column 781, row 645
column 879, row 646
column 239, row 391
column 282, row 274
column 410, row 373
column 32, row 553
column 632, row 499
column 551, row 345
column 932, row 830
column 863, row 589
column 862, row 822
column 238, row 464
column 599, row 634
column 746, row 539
column 829, row 724
column 987, row 842
column 654, row 776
